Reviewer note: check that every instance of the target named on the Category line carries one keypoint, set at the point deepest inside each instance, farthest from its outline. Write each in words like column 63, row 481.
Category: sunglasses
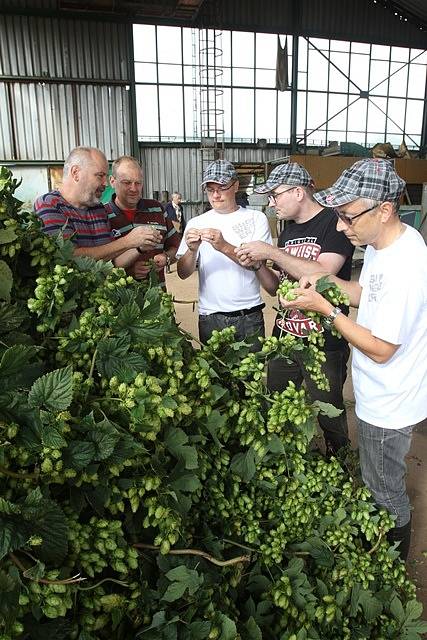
column 349, row 220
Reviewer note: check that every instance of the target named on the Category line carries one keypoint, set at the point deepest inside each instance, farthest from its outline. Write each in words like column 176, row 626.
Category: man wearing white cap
column 229, row 294
column 389, row 337
column 309, row 242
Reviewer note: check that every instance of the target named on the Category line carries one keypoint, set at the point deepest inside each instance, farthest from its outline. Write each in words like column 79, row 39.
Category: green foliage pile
column 155, row 491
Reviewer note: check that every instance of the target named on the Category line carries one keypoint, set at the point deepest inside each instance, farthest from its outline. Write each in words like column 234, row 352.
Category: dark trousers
column 280, row 372
column 248, row 327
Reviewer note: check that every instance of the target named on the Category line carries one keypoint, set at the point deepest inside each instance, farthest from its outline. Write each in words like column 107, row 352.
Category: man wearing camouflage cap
column 389, row 337
column 229, row 294
column 309, row 242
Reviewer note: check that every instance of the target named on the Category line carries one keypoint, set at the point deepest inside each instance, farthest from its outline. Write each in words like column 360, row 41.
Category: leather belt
column 240, row 312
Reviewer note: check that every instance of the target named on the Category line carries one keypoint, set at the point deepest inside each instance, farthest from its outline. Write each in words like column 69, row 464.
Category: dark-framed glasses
column 274, row 195
column 349, row 220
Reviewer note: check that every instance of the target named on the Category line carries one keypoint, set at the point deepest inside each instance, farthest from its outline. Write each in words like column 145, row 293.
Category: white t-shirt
column 393, row 306
column 223, row 284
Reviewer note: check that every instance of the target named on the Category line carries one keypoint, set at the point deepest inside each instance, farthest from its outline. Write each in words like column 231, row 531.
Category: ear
column 386, row 211
column 112, row 181
column 75, row 172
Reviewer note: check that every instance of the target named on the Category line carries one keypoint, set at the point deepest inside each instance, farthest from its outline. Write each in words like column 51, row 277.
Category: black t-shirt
column 308, row 240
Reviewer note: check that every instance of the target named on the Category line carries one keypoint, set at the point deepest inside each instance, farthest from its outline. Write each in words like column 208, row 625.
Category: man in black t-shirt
column 309, row 240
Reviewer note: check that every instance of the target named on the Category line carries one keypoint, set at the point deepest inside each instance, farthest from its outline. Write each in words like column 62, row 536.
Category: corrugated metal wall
column 179, row 169
column 62, row 83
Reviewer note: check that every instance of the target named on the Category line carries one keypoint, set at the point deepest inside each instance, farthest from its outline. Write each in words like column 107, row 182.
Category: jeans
column 382, row 462
column 280, row 373
column 248, row 327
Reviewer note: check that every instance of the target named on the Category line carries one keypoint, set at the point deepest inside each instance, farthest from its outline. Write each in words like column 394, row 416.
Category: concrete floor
column 185, row 294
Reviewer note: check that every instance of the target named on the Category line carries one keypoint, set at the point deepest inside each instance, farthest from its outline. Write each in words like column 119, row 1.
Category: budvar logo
column 297, row 324
column 330, row 198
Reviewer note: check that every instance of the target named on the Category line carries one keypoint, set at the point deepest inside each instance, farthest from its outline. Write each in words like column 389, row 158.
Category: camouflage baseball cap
column 372, row 178
column 291, row 173
column 220, row 172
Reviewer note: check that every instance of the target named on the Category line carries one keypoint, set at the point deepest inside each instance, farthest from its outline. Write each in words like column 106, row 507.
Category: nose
column 341, row 225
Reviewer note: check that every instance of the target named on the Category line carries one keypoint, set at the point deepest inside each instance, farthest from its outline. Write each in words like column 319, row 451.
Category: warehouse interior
column 179, row 83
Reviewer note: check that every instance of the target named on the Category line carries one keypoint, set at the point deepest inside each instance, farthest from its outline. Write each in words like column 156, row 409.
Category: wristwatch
column 328, row 320
column 168, row 261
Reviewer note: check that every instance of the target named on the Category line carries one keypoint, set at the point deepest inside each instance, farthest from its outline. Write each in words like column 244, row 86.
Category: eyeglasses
column 349, row 220
column 219, row 189
column 273, row 196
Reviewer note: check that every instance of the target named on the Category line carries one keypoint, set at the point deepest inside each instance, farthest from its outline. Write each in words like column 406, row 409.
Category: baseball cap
column 220, row 172
column 290, row 173
column 372, row 178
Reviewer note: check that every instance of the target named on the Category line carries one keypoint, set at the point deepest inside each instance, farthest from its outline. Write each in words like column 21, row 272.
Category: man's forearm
column 296, row 267
column 268, row 279
column 127, row 258
column 187, row 264
column 107, row 251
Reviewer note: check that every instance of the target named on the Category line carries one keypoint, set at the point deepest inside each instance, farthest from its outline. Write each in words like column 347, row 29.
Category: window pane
column 146, row 109
column 301, row 113
column 400, row 54
column 192, row 120
column 187, row 40
column 380, row 52
column 169, row 44
column 376, row 118
column 338, row 80
column 226, row 103
column 340, row 45
column 302, row 80
column 379, row 74
column 417, row 81
column 320, row 43
column 243, row 49
column 317, row 71
column 243, row 77
column 357, row 115
column 396, row 113
column 171, row 116
column 224, row 43
column 284, row 115
column 265, row 124
column 266, row 78
column 337, row 103
column 359, row 71
column 360, row 47
column 316, row 110
column 145, row 72
column 170, row 73
column 399, row 79
column 191, row 75
column 266, row 50
column 414, row 116
column 356, row 136
column 144, row 41
column 302, row 54
column 243, row 114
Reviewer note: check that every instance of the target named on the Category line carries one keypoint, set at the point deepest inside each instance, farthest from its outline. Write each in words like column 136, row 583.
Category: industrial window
column 199, row 83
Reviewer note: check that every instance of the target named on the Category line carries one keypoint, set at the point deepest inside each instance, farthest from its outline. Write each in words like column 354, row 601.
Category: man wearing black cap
column 308, row 243
column 229, row 294
column 390, row 336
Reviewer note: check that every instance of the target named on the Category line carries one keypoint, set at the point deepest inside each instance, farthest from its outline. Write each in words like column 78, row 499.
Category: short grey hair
column 369, row 202
column 116, row 164
column 80, row 156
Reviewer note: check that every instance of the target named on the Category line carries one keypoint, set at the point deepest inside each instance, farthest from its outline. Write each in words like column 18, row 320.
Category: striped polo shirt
column 149, row 213
column 86, row 227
